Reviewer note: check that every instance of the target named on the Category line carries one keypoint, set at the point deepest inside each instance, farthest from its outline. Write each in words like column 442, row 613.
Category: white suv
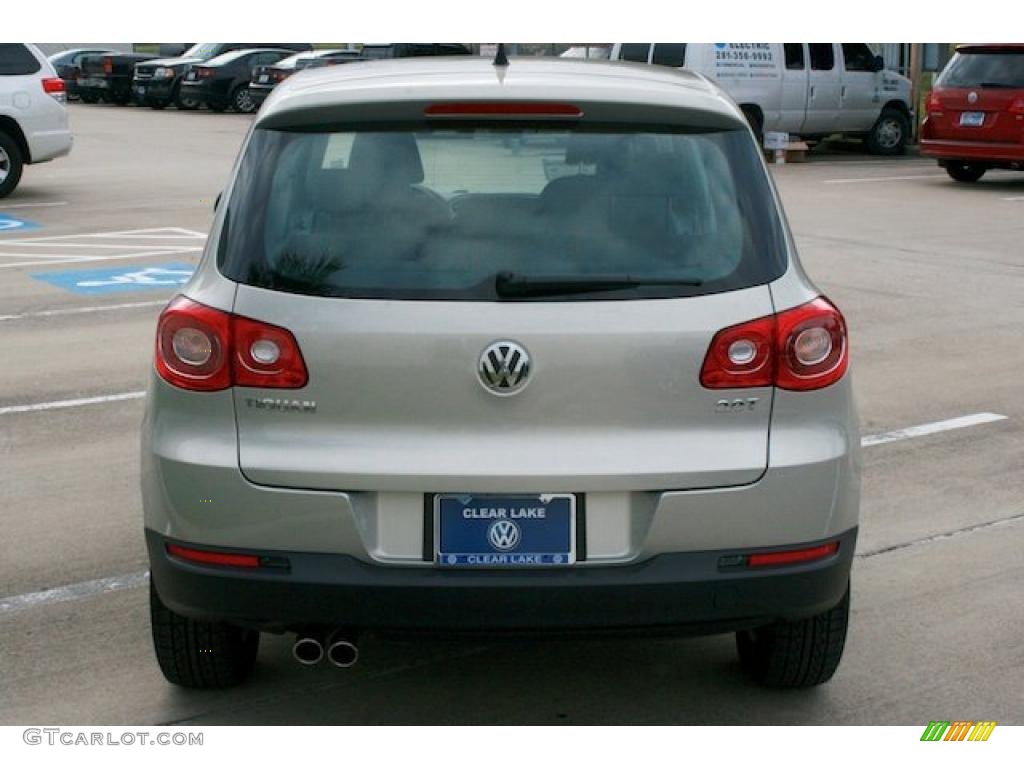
column 33, row 120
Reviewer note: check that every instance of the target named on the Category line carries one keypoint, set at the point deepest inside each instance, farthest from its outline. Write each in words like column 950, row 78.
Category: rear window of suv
column 984, row 68
column 16, row 59
column 429, row 213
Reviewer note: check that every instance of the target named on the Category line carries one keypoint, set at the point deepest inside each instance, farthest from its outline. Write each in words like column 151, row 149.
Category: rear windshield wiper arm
column 512, row 285
column 997, row 85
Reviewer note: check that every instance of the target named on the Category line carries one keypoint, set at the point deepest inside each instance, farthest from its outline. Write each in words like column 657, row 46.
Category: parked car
column 421, row 381
column 108, row 77
column 68, row 66
column 587, row 52
column 975, row 117
column 806, row 89
column 405, row 50
column 223, row 81
column 268, row 76
column 157, row 83
column 33, row 119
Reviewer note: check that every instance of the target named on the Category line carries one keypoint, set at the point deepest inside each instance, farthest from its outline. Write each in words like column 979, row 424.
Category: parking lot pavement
column 928, row 273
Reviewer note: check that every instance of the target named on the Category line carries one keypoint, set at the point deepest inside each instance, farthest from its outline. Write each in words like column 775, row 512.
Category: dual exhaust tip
column 339, row 648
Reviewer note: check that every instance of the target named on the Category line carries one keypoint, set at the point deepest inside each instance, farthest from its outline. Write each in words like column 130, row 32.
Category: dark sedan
column 69, row 66
column 223, row 82
column 265, row 78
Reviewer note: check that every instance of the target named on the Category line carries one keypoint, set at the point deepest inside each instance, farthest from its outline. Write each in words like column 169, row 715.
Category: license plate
column 972, row 119
column 505, row 531
column 264, row 78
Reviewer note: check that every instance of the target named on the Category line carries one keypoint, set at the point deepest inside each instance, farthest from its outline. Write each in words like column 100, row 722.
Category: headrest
column 587, row 148
column 385, row 159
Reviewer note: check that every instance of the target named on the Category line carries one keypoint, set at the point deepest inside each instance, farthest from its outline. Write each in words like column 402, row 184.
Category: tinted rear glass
column 440, row 214
column 973, row 70
column 16, row 59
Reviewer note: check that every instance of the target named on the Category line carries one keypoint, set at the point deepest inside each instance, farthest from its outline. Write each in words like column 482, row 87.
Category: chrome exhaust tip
column 341, row 651
column 308, row 650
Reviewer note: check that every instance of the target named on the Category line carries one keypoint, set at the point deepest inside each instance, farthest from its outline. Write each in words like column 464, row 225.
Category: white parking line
column 1014, row 199
column 31, row 407
column 931, row 428
column 81, row 310
column 865, row 180
column 32, row 205
column 9, row 605
column 60, row 258
column 98, row 246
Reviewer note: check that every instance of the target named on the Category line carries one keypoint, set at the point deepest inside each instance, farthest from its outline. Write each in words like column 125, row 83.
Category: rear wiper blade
column 997, row 85
column 512, row 285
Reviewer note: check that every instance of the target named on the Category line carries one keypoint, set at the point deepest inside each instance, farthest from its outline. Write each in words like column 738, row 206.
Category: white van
column 808, row 89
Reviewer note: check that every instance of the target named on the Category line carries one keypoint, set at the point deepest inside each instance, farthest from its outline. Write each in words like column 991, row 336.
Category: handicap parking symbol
column 120, row 279
column 11, row 224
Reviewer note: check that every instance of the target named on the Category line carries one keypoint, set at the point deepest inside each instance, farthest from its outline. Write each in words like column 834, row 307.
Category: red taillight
column 203, row 72
column 53, row 85
column 503, row 108
column 279, row 75
column 266, row 356
column 204, row 349
column 934, row 103
column 1017, row 106
column 108, row 65
column 207, row 557
column 800, row 349
column 791, row 556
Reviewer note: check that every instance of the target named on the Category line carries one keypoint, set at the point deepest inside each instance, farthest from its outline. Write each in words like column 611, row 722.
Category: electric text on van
column 808, row 89
column 479, row 347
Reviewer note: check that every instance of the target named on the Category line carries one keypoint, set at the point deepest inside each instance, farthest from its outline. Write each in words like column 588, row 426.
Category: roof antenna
column 500, row 59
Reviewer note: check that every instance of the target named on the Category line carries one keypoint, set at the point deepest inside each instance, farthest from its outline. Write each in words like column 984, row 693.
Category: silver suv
column 517, row 347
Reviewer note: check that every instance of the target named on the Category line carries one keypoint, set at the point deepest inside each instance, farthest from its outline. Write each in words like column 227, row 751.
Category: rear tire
column 965, row 172
column 888, row 136
column 11, row 164
column 241, row 100
column 796, row 654
column 200, row 654
column 186, row 103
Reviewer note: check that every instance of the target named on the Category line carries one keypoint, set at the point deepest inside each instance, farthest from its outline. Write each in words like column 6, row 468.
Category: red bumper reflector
column 793, row 555
column 505, row 108
column 213, row 558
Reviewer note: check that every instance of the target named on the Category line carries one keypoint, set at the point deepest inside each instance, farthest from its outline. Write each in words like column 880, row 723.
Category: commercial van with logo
column 426, row 378
column 811, row 90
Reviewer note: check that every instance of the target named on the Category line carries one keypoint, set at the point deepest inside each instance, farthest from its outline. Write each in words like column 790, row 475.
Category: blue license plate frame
column 509, row 531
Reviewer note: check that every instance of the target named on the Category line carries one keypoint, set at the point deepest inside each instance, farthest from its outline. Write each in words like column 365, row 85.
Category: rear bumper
column 991, row 153
column 691, row 593
column 49, row 145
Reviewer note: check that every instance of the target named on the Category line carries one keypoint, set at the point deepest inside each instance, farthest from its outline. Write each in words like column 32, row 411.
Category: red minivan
column 975, row 117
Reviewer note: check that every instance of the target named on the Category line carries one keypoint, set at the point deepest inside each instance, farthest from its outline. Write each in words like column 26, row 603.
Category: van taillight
column 799, row 349
column 934, row 103
column 108, row 65
column 55, row 87
column 1017, row 106
column 204, row 349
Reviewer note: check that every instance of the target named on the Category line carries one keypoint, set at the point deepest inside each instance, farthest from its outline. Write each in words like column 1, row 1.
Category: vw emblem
column 504, row 367
column 503, row 535
column 972, row 97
